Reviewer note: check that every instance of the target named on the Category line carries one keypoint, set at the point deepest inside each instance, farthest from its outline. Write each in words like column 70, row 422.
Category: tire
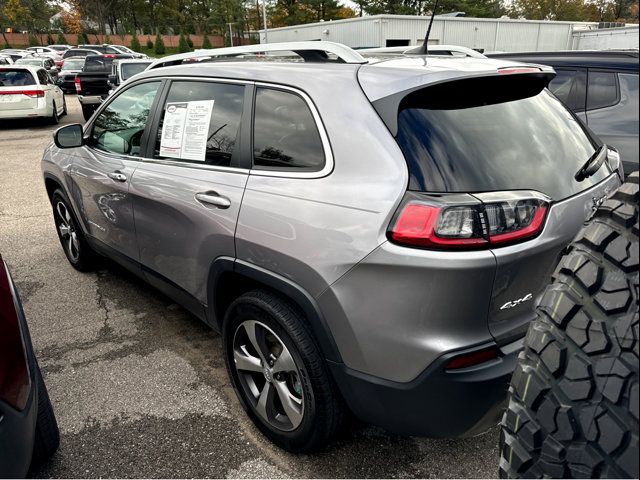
column 55, row 118
column 47, row 435
column 87, row 111
column 573, row 399
column 310, row 384
column 74, row 244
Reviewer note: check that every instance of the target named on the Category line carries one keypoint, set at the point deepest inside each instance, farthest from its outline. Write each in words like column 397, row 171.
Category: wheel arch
column 52, row 183
column 229, row 278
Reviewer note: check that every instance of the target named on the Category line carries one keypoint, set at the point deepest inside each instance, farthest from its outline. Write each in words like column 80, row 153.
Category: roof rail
column 432, row 49
column 315, row 51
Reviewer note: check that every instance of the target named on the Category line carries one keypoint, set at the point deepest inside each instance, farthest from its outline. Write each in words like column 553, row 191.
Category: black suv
column 601, row 87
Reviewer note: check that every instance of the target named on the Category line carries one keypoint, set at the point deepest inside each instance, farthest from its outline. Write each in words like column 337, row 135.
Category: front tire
column 75, row 245
column 573, row 400
column 279, row 374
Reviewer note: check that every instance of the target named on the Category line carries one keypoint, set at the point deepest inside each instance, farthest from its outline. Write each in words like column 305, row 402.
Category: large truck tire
column 573, row 399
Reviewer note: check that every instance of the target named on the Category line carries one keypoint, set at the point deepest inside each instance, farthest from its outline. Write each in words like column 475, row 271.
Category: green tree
column 183, row 46
column 50, row 40
column 83, row 39
column 149, row 43
column 549, row 9
column 189, row 41
column 206, row 43
column 159, row 48
column 61, row 40
column 135, row 43
column 33, row 40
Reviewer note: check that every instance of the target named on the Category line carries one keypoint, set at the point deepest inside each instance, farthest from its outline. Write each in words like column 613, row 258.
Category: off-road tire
column 573, row 406
column 324, row 408
column 87, row 258
column 47, row 435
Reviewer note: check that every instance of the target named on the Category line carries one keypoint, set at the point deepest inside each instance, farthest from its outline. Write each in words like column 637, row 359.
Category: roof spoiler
column 310, row 51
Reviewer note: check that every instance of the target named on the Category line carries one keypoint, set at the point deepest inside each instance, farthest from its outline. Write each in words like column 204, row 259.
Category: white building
column 495, row 34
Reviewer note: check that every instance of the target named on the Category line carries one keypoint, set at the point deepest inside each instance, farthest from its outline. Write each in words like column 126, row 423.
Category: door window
column 285, row 135
column 200, row 123
column 43, row 78
column 119, row 127
column 603, row 90
column 569, row 86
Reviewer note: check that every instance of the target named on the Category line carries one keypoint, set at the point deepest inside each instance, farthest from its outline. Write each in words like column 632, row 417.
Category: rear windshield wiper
column 593, row 164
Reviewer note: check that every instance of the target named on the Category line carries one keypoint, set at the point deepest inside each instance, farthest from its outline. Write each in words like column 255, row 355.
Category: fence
column 606, row 38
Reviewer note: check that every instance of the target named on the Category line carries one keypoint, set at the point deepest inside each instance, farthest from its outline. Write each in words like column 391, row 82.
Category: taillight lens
column 468, row 226
column 28, row 93
column 15, row 378
column 78, row 85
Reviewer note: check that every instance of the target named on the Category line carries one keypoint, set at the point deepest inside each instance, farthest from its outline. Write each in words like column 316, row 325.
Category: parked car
column 601, row 88
column 77, row 52
column 123, row 70
column 60, row 48
column 68, row 71
column 28, row 430
column 127, row 51
column 92, row 83
column 46, row 52
column 5, row 59
column 103, row 49
column 45, row 62
column 29, row 92
column 393, row 271
column 16, row 54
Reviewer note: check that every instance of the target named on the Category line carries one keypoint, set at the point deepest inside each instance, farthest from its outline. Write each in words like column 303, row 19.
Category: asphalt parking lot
column 139, row 385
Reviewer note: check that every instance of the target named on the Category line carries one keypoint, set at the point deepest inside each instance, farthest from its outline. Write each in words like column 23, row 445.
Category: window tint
column 119, row 127
column 188, row 142
column 128, row 70
column 43, row 78
column 98, row 64
column 284, row 132
column 15, row 78
column 603, row 90
column 493, row 134
column 570, row 88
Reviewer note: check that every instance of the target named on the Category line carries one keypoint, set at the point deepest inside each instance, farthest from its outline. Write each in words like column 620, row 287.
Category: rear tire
column 55, row 118
column 74, row 244
column 47, row 434
column 573, row 399
column 309, row 383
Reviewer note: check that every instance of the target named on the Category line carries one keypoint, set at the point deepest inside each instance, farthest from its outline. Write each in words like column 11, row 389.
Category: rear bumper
column 438, row 403
column 44, row 111
column 91, row 99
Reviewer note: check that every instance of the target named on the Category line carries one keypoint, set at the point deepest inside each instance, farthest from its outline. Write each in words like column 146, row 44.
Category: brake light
column 15, row 378
column 474, row 358
column 509, row 70
column 481, row 225
column 28, row 93
column 109, row 55
column 78, row 85
column 59, row 64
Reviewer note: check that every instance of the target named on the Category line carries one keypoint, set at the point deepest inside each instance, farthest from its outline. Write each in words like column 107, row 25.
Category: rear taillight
column 15, row 378
column 78, row 85
column 28, row 93
column 109, row 55
column 474, row 226
column 472, row 359
column 59, row 64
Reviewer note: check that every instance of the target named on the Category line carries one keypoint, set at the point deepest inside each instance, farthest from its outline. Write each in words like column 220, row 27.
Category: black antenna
column 425, row 45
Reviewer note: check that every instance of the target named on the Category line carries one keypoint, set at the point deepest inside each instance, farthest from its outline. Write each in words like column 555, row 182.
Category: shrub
column 83, row 39
column 159, row 49
column 183, row 46
column 206, row 43
column 149, row 43
column 61, row 39
column 189, row 41
column 135, row 43
column 50, row 40
column 33, row 40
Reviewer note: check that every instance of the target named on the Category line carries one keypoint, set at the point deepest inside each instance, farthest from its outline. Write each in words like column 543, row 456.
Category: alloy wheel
column 67, row 231
column 268, row 375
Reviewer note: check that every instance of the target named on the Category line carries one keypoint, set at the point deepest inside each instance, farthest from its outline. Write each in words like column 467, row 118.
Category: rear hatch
column 19, row 89
column 505, row 140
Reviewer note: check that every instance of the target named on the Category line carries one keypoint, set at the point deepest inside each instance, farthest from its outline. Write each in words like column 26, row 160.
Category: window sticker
column 185, row 130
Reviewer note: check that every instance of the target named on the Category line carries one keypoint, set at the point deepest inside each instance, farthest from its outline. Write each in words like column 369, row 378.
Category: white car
column 46, row 52
column 29, row 92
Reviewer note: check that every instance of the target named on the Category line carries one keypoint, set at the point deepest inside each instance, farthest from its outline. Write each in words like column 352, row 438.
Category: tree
column 135, row 43
column 159, row 49
column 83, row 39
column 183, row 46
column 61, row 40
column 549, row 9
column 149, row 43
column 50, row 40
column 33, row 40
column 206, row 43
column 189, row 41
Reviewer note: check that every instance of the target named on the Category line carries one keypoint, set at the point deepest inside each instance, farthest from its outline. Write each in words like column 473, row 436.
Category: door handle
column 117, row 176
column 212, row 198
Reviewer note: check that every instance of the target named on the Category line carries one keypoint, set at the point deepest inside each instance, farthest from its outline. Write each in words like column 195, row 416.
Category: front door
column 187, row 194
column 103, row 170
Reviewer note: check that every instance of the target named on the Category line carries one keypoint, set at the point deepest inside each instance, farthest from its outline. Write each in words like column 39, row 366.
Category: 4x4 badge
column 515, row 303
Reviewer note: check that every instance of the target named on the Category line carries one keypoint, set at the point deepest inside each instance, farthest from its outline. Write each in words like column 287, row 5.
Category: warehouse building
column 495, row 34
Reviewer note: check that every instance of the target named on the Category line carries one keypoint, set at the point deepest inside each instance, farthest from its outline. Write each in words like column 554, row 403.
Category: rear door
column 187, row 193
column 102, row 170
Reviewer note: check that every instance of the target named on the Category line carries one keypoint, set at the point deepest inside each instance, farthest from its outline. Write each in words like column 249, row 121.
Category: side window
column 119, row 127
column 200, row 122
column 569, row 86
column 43, row 78
column 285, row 135
column 603, row 90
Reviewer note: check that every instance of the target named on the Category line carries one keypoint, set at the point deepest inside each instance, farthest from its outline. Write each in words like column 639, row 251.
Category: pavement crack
column 105, row 331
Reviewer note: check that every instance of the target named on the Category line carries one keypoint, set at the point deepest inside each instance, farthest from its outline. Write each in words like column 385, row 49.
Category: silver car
column 366, row 236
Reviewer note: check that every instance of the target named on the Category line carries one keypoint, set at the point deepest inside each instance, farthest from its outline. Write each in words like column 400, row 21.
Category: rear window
column 73, row 64
column 98, row 64
column 130, row 69
column 76, row 53
column 491, row 134
column 16, row 78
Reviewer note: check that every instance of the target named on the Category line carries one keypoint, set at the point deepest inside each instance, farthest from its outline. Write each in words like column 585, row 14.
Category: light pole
column 231, row 32
column 264, row 19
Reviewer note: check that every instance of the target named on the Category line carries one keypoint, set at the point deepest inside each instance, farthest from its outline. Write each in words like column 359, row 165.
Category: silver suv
column 367, row 236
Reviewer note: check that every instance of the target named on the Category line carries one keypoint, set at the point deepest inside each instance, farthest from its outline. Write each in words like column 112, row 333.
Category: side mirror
column 69, row 136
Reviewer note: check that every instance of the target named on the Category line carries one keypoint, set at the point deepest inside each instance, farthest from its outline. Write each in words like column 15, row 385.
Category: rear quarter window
column 603, row 90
